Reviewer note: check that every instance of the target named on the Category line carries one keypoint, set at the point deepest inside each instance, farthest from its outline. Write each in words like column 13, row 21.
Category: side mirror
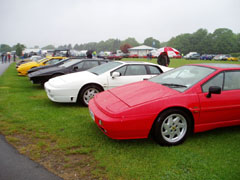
column 213, row 90
column 75, row 68
column 115, row 74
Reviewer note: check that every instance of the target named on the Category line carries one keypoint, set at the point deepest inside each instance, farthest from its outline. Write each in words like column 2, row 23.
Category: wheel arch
column 186, row 110
column 89, row 84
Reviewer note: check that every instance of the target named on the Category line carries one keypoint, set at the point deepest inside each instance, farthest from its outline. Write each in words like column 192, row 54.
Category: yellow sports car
column 232, row 59
column 23, row 68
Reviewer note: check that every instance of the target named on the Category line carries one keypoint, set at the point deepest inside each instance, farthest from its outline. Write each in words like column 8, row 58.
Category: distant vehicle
column 23, row 68
column 48, row 64
column 206, row 57
column 70, row 66
column 232, row 59
column 194, row 56
column 222, row 57
column 33, row 58
column 189, row 54
column 133, row 56
column 226, row 56
column 114, row 57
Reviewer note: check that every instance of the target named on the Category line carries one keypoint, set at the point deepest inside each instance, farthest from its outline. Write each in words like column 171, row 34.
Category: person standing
column 2, row 55
column 14, row 57
column 5, row 58
column 9, row 57
column 163, row 59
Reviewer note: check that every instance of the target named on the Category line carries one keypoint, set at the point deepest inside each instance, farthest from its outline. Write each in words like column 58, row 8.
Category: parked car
column 32, row 58
column 69, row 66
column 72, row 88
column 232, row 59
column 133, row 56
column 48, row 64
column 189, row 54
column 221, row 57
column 191, row 98
column 194, row 56
column 23, row 68
column 114, row 57
column 206, row 57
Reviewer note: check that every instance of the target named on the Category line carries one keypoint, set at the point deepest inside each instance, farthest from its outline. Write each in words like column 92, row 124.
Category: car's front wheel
column 87, row 93
column 172, row 127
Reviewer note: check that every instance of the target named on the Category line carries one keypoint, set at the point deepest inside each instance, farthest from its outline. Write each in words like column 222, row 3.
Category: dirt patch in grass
column 70, row 164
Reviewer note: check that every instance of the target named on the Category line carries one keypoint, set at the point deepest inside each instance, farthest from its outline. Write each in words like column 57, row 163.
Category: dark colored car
column 206, row 57
column 70, row 66
column 53, row 63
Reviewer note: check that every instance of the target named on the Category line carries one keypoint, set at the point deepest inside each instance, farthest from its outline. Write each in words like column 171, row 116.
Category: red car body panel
column 128, row 112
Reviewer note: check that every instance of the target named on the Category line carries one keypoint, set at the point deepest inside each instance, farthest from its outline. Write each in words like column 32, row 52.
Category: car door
column 85, row 65
column 222, row 107
column 128, row 74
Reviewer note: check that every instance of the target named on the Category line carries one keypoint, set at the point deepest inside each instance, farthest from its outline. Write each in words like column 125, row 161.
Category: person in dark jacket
column 163, row 59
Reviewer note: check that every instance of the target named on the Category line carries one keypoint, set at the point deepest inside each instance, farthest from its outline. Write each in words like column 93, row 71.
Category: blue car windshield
column 104, row 67
column 183, row 78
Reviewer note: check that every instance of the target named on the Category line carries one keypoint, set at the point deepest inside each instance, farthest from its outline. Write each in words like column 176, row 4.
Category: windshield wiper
column 174, row 85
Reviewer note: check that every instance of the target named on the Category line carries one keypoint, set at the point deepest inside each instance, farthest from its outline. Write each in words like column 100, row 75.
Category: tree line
column 221, row 41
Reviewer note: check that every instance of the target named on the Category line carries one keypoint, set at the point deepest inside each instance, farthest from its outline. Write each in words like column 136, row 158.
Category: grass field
column 64, row 138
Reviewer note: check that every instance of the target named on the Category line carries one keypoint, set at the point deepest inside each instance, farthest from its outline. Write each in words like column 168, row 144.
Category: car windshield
column 41, row 60
column 183, row 78
column 104, row 68
column 70, row 62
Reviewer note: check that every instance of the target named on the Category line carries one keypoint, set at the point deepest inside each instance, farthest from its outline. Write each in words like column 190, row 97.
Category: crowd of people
column 7, row 57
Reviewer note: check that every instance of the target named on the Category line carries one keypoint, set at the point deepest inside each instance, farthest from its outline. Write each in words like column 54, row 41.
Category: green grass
column 25, row 109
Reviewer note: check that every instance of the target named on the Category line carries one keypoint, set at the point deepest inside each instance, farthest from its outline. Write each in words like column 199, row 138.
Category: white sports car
column 82, row 86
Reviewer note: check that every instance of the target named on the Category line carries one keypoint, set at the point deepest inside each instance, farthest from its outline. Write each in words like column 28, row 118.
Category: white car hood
column 70, row 78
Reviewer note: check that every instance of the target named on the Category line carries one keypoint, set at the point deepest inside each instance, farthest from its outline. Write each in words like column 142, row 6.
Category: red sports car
column 191, row 98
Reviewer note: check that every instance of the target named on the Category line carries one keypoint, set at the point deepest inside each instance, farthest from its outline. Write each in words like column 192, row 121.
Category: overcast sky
column 59, row 22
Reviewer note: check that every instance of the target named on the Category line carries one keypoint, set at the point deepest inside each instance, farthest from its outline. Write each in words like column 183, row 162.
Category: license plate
column 91, row 114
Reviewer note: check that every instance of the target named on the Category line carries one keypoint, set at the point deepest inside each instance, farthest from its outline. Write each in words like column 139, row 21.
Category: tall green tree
column 152, row 42
column 131, row 41
column 5, row 48
column 19, row 49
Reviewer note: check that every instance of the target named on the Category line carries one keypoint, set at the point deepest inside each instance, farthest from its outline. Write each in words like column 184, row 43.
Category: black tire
column 172, row 127
column 87, row 93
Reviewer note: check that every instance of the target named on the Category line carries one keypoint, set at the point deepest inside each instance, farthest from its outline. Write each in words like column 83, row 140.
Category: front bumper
column 60, row 94
column 119, row 127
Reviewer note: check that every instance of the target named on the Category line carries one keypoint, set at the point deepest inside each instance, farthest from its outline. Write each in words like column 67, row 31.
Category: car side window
column 103, row 62
column 89, row 64
column 121, row 70
column 232, row 80
column 136, row 70
column 215, row 81
column 154, row 70
column 79, row 65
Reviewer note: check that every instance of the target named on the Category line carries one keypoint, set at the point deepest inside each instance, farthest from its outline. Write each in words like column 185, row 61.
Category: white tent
column 142, row 50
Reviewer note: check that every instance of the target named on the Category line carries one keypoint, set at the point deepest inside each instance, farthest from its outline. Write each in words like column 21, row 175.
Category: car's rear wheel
column 172, row 127
column 87, row 93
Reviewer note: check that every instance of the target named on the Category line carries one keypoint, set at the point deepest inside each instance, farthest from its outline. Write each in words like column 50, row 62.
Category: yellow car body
column 232, row 59
column 23, row 68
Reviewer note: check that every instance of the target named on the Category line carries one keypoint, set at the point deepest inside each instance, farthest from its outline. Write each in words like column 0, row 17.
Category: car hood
column 46, row 70
column 142, row 92
column 119, row 99
column 70, row 78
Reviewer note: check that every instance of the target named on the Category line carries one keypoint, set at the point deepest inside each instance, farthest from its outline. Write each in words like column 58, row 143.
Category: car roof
column 136, row 62
column 220, row 65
